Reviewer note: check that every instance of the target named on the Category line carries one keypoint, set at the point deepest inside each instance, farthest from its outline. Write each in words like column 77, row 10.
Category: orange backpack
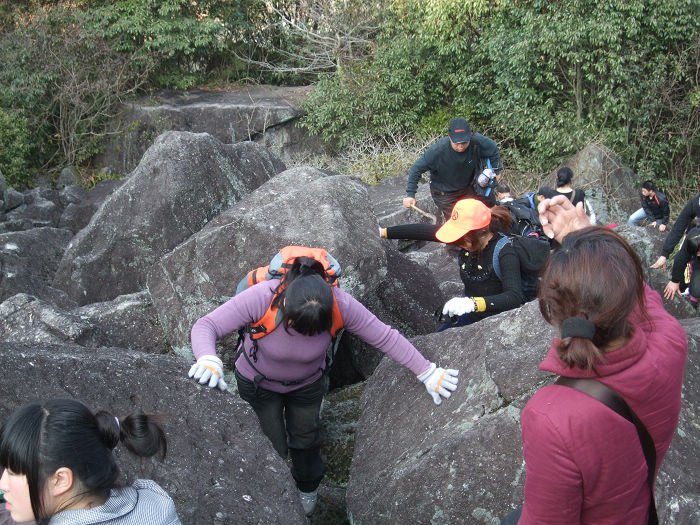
column 279, row 265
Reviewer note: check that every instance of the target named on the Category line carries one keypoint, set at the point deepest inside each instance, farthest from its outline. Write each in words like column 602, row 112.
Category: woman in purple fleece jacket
column 292, row 360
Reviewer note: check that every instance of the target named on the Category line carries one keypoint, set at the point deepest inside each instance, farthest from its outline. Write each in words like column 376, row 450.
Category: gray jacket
column 142, row 503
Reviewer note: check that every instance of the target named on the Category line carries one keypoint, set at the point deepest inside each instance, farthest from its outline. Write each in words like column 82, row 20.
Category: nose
column 3, row 481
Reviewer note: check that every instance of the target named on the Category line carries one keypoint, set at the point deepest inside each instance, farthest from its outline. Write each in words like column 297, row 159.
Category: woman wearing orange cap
column 475, row 229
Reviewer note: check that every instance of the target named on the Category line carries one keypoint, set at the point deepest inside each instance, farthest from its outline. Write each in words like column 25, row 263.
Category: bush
column 15, row 149
column 67, row 81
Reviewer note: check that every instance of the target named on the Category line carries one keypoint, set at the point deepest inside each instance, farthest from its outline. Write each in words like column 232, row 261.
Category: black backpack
column 532, row 253
column 526, row 220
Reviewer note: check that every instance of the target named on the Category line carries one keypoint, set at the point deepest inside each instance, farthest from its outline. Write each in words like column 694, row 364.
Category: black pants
column 445, row 200
column 292, row 422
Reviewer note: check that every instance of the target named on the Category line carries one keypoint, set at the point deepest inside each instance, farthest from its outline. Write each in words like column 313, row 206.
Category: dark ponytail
column 564, row 176
column 141, row 435
column 39, row 438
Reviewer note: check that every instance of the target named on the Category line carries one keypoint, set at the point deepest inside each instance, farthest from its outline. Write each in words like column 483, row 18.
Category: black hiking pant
column 292, row 421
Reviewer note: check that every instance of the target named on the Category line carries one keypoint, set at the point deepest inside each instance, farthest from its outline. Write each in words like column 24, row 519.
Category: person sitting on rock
column 283, row 376
column 585, row 463
column 59, row 467
column 654, row 208
column 475, row 229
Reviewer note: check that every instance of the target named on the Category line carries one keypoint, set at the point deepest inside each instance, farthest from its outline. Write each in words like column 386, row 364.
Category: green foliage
column 184, row 37
column 15, row 148
column 542, row 78
column 67, row 82
column 389, row 92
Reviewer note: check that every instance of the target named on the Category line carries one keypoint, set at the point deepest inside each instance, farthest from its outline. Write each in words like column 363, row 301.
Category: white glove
column 439, row 382
column 208, row 369
column 485, row 177
column 459, row 306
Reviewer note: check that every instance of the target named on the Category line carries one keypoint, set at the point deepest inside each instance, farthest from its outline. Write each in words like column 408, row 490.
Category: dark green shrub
column 15, row 149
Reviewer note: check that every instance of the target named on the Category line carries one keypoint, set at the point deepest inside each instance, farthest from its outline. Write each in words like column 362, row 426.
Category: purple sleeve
column 364, row 324
column 246, row 307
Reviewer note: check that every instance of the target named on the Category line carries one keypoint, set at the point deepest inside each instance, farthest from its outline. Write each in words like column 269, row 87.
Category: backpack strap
column 611, row 399
column 497, row 252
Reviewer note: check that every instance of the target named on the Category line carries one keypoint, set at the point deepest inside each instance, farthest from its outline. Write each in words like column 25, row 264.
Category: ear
column 61, row 481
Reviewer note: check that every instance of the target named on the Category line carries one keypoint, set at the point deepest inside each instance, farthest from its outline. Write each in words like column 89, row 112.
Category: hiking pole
column 424, row 213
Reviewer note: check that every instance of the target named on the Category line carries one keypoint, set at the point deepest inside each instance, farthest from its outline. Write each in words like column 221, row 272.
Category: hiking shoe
column 308, row 501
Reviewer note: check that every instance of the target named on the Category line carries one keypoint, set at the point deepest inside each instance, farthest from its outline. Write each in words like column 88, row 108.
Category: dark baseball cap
column 459, row 131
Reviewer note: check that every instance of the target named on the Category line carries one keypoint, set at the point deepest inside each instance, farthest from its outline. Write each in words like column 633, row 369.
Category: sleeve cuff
column 480, row 303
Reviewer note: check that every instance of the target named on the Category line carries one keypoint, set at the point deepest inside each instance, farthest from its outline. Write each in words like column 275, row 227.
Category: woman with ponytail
column 59, row 468
column 585, row 463
column 281, row 375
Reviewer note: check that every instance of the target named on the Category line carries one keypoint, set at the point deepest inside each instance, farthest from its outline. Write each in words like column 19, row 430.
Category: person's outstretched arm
column 416, row 231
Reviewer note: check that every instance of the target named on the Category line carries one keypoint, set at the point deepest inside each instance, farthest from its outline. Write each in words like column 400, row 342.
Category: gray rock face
column 220, row 468
column 80, row 205
column 474, row 436
column 40, row 212
column 301, row 206
column 462, row 462
column 28, row 261
column 259, row 113
column 183, row 181
column 129, row 321
column 67, row 178
column 26, row 319
column 12, row 198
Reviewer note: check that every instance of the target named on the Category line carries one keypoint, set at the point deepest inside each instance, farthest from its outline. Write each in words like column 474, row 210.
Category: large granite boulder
column 28, row 261
column 301, row 206
column 183, row 181
column 461, row 462
column 220, row 468
column 265, row 114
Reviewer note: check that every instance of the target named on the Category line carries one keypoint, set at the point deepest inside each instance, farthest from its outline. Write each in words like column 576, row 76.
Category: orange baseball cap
column 467, row 215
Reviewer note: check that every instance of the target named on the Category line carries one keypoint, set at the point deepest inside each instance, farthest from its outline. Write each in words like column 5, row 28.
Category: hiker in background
column 684, row 223
column 59, row 465
column 685, row 273
column 564, row 178
column 455, row 163
column 503, row 194
column 282, row 376
column 475, row 229
column 584, row 463
column 654, row 208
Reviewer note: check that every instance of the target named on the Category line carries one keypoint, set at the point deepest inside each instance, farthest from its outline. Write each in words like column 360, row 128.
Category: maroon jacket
column 584, row 462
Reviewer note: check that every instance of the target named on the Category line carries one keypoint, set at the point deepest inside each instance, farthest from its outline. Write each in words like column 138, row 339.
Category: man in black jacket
column 455, row 163
column 654, row 207
column 682, row 225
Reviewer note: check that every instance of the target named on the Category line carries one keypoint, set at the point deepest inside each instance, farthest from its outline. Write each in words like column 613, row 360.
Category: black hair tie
column 577, row 327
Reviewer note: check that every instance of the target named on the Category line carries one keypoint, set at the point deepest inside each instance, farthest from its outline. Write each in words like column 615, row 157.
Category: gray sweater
column 142, row 503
